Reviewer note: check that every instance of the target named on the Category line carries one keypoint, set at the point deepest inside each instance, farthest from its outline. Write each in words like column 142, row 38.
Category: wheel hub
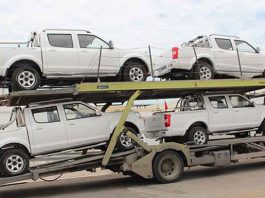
column 205, row 73
column 199, row 137
column 14, row 164
column 125, row 140
column 26, row 79
column 136, row 74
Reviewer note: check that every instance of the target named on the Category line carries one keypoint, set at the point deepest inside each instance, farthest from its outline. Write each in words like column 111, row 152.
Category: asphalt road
column 244, row 181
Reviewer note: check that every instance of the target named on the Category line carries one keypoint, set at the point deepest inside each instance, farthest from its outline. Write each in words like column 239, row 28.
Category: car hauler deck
column 164, row 162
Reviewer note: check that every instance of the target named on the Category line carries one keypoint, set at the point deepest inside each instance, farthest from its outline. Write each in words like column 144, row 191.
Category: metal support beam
column 120, row 127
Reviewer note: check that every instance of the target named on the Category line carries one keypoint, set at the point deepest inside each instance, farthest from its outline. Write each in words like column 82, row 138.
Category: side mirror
column 111, row 45
column 253, row 103
column 258, row 49
column 98, row 113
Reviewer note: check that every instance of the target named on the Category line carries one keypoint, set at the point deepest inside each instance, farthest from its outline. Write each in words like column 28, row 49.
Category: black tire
column 242, row 135
column 20, row 163
column 135, row 72
column 123, row 140
column 168, row 167
column 198, row 135
column 25, row 78
column 203, row 71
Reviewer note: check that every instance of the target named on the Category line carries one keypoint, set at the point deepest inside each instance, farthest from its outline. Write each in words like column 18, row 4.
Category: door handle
column 72, row 124
column 215, row 112
column 84, row 51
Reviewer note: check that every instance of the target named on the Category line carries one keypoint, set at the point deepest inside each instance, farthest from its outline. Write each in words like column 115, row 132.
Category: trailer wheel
column 168, row 167
column 14, row 162
column 198, row 135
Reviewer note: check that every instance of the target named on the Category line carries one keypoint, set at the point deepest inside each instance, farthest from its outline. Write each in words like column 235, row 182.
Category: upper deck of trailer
column 120, row 91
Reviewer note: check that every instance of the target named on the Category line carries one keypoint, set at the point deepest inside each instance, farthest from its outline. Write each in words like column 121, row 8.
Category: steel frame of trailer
column 140, row 160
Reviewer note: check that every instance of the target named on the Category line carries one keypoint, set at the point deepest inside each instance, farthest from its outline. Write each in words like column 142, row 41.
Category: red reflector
column 167, row 120
column 175, row 52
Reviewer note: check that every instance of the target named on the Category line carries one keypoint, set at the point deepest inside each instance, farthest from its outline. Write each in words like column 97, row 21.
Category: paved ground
column 244, row 181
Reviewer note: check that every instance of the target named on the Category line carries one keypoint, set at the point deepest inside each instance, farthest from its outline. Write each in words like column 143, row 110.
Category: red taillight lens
column 167, row 120
column 175, row 52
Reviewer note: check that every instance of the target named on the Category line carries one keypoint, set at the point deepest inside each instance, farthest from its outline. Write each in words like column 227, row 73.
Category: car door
column 59, row 55
column 220, row 115
column 84, row 125
column 252, row 62
column 48, row 131
column 89, row 54
column 245, row 114
column 226, row 61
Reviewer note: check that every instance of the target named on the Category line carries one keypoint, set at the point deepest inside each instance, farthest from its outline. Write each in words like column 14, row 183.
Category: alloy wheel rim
column 136, row 74
column 205, row 73
column 199, row 137
column 26, row 79
column 15, row 164
column 125, row 140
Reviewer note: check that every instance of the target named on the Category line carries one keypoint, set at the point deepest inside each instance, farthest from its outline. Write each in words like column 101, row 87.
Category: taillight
column 167, row 120
column 175, row 52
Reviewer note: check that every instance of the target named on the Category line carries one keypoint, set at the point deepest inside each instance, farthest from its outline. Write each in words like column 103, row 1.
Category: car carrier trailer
column 164, row 162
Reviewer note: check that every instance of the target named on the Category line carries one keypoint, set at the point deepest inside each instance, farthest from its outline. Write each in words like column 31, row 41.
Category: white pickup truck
column 195, row 117
column 216, row 58
column 49, row 128
column 67, row 56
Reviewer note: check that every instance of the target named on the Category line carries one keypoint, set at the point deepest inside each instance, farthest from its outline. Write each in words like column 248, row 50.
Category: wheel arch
column 206, row 59
column 197, row 123
column 137, row 60
column 179, row 152
column 16, row 64
column 15, row 145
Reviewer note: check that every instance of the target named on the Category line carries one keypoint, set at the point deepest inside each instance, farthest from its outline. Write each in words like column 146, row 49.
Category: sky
column 137, row 23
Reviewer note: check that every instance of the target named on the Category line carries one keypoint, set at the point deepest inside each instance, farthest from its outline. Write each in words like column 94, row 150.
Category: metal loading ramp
column 121, row 91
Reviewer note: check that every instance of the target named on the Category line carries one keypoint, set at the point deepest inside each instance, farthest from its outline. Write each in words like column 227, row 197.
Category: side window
column 224, row 44
column 218, row 102
column 90, row 41
column 61, row 40
column 46, row 115
column 244, row 47
column 78, row 111
column 240, row 102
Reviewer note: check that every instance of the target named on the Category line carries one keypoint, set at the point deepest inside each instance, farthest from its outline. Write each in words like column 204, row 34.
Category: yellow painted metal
column 119, row 129
column 168, row 85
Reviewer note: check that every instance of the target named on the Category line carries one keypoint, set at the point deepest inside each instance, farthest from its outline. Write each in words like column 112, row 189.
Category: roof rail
column 223, row 35
column 66, row 30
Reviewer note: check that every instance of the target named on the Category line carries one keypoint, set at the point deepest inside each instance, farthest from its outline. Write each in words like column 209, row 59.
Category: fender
column 15, row 140
column 139, row 123
column 22, row 57
column 141, row 56
column 200, row 56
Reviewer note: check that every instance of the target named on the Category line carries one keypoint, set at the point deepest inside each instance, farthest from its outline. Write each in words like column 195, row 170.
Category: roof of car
column 66, row 30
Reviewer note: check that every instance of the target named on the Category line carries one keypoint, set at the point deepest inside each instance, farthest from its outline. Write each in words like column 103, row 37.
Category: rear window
column 61, row 40
column 224, row 44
